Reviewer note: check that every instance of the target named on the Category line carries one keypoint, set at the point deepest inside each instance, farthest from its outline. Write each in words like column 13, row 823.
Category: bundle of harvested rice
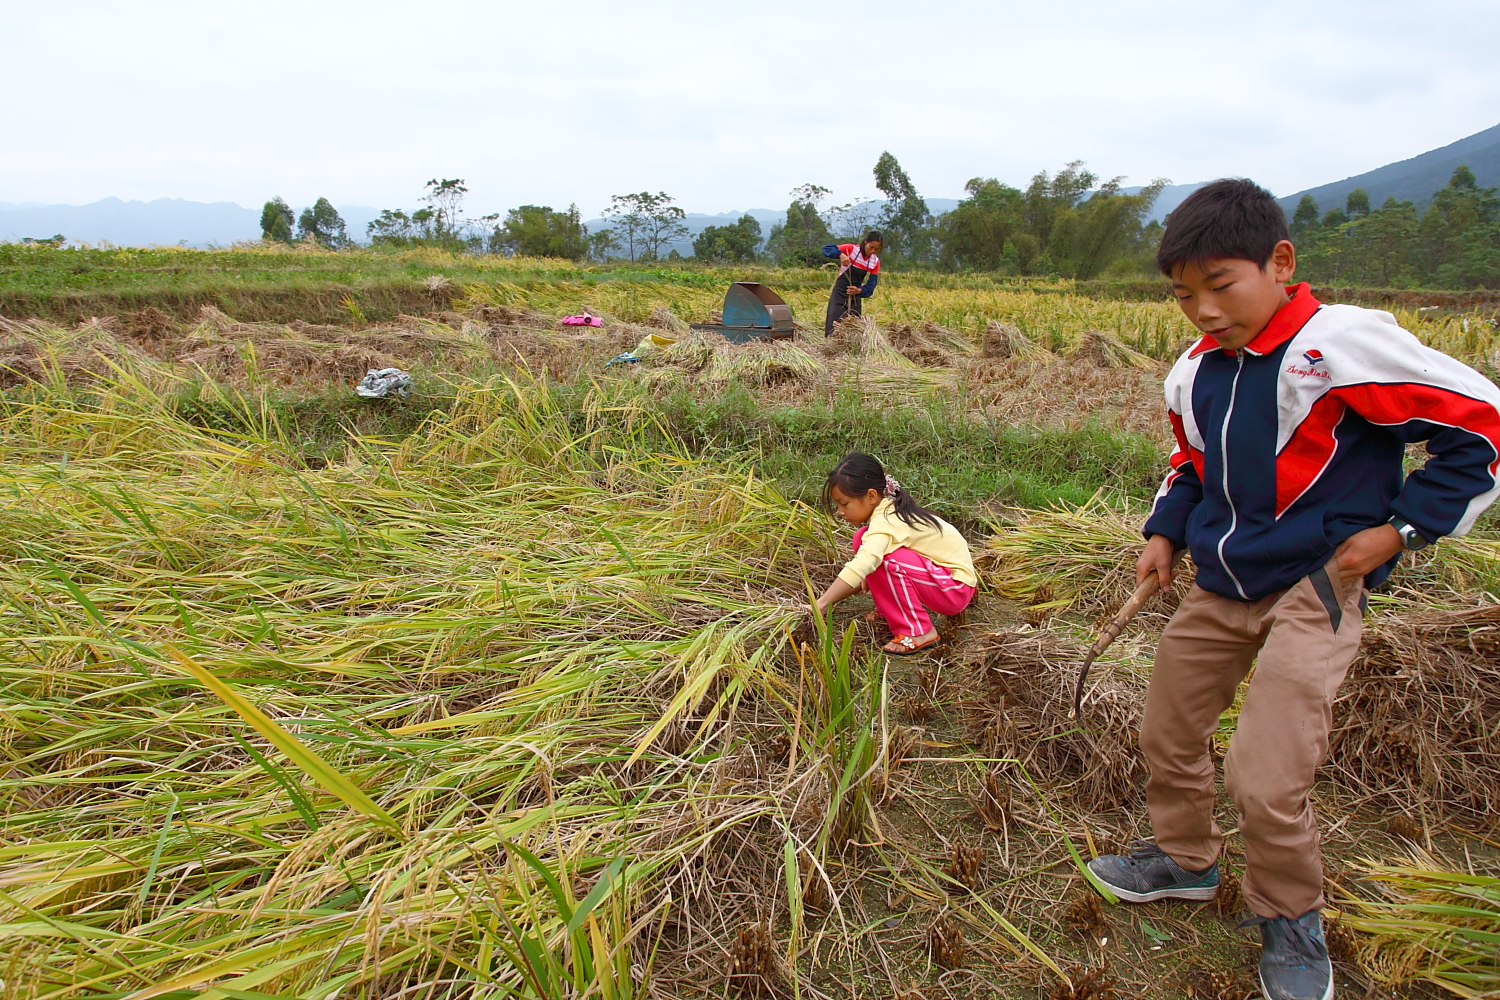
column 322, row 332
column 862, row 337
column 1002, row 340
column 1020, row 693
column 211, row 319
column 692, row 353
column 949, row 340
column 622, row 336
column 218, row 360
column 662, row 318
column 1081, row 558
column 914, row 347
column 349, row 362
column 37, row 351
column 1433, row 924
column 1108, row 352
column 538, row 348
column 20, row 362
column 763, row 363
column 1461, row 564
column 929, row 345
column 1049, row 391
column 1415, row 723
column 283, row 360
column 149, row 326
column 497, row 315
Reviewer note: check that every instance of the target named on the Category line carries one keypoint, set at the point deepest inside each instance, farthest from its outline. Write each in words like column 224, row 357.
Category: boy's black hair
column 873, row 234
column 1232, row 218
column 858, row 473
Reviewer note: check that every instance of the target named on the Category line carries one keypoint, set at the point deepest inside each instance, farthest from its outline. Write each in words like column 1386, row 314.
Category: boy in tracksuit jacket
column 859, row 273
column 1291, row 419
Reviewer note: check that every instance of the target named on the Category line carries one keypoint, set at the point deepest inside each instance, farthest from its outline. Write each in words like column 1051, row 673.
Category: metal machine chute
column 752, row 312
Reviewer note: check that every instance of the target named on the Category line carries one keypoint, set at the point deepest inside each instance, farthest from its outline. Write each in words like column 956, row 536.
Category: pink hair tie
column 891, row 486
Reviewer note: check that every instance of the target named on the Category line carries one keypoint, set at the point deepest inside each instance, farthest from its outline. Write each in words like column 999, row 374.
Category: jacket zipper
column 1234, row 516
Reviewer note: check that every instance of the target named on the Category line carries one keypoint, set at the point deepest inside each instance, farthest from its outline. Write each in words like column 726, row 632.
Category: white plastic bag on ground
column 380, row 382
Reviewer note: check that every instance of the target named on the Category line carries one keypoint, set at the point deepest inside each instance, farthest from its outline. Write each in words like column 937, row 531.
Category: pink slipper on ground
column 906, row 645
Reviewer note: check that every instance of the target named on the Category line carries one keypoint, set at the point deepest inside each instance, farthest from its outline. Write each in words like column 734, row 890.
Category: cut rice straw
column 1431, row 924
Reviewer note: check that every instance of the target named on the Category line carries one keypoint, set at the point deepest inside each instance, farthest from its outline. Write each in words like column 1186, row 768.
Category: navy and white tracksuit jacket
column 1287, row 447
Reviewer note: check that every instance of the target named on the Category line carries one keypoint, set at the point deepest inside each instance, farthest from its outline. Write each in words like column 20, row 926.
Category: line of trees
column 1066, row 224
column 644, row 224
column 1454, row 244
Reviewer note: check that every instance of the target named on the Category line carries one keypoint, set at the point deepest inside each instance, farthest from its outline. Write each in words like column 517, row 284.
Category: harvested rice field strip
column 278, row 283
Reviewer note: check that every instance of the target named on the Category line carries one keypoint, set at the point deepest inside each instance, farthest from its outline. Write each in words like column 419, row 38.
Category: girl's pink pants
column 907, row 584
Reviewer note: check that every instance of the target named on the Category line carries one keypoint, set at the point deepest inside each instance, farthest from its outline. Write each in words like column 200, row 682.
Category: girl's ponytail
column 857, row 473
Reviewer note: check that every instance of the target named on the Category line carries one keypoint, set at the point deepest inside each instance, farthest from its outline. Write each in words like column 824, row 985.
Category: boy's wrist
column 1412, row 539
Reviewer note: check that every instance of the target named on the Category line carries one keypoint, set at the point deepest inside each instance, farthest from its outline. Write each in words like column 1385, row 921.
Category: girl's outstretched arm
column 837, row 591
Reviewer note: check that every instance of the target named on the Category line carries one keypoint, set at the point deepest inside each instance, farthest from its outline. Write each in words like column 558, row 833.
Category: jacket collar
column 1284, row 325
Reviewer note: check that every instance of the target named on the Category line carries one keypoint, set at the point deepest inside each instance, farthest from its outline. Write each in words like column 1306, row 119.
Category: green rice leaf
column 314, row 766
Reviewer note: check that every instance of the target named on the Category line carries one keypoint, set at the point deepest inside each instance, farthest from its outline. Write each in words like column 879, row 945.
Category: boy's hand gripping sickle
column 1143, row 593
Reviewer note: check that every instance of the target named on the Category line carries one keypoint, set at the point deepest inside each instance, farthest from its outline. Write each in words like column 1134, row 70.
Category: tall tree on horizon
column 1050, row 227
column 647, row 222
column 798, row 240
column 276, row 221
column 446, row 197
column 735, row 244
column 323, row 224
column 538, row 231
column 905, row 221
column 1305, row 218
column 1454, row 244
column 1357, row 204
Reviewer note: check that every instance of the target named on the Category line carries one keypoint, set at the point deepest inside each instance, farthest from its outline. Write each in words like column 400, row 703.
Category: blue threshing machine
column 752, row 312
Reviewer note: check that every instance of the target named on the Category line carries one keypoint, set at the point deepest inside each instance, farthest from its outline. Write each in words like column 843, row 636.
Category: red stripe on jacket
column 870, row 264
column 1184, row 453
column 1312, row 445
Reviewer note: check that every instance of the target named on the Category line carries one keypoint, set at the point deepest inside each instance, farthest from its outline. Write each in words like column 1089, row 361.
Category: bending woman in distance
column 859, row 272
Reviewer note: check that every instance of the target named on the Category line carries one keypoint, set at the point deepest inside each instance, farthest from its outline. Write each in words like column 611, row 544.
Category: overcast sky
column 724, row 106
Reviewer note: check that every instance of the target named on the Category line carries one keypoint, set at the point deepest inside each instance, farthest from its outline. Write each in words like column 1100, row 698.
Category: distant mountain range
column 165, row 221
column 1414, row 179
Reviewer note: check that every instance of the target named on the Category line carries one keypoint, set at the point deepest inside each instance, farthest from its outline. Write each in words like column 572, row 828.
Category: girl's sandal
column 906, row 645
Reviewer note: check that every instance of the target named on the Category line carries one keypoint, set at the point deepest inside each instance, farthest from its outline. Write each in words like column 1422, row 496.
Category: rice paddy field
column 506, row 689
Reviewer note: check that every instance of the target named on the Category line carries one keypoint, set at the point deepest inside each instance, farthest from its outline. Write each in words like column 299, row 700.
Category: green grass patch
column 951, row 458
column 954, row 460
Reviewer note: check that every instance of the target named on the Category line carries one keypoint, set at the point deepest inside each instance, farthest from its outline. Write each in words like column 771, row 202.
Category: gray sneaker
column 1294, row 961
column 1147, row 873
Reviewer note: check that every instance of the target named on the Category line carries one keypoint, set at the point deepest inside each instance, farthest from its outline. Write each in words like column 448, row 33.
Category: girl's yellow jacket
column 887, row 533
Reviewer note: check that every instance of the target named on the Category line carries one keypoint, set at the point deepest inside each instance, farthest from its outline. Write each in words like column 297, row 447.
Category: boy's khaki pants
column 1306, row 637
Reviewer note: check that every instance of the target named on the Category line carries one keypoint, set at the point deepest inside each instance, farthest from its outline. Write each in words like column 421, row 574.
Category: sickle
column 1143, row 593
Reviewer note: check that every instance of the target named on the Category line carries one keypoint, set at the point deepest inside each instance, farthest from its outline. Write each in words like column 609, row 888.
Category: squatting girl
column 909, row 559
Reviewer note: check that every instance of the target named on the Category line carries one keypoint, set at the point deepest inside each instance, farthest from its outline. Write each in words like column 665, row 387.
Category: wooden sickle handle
column 1144, row 591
